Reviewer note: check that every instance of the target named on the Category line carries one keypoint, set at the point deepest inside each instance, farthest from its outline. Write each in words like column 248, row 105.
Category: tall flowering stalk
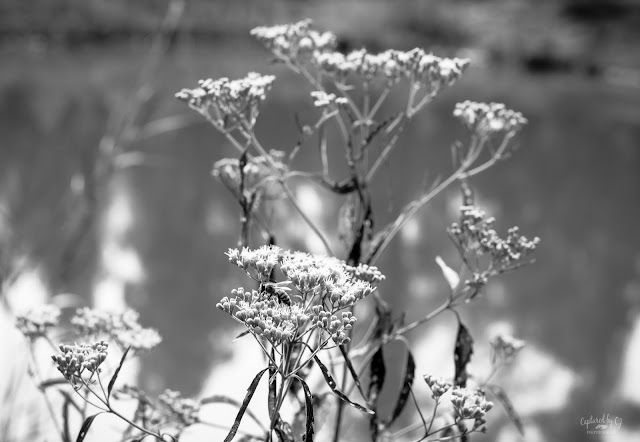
column 312, row 307
column 301, row 308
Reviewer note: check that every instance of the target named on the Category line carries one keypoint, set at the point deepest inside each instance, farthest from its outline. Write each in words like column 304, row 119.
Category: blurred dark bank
column 161, row 224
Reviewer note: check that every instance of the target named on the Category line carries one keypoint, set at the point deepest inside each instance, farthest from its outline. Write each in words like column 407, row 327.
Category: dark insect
column 278, row 290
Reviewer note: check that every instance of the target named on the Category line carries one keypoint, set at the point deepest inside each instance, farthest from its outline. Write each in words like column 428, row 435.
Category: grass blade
column 85, row 427
column 116, row 373
column 308, row 406
column 332, row 384
column 221, row 399
column 245, row 403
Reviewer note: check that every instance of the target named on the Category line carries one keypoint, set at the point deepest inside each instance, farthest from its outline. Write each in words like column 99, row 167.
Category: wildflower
column 366, row 273
column 296, row 42
column 486, row 119
column 73, row 360
column 338, row 328
column 259, row 263
column 37, row 321
column 470, row 404
column 438, row 386
column 475, row 235
column 324, row 100
column 325, row 277
column 505, row 348
column 264, row 315
column 184, row 410
column 233, row 102
column 123, row 328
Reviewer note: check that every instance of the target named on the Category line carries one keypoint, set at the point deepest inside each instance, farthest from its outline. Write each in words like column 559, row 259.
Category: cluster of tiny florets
column 73, row 360
column 366, row 273
column 185, row 410
column 470, row 404
column 123, row 328
column 296, row 42
column 232, row 101
column 475, row 234
column 324, row 100
column 337, row 327
column 37, row 321
column 437, row 385
column 505, row 348
column 258, row 263
column 264, row 315
column 418, row 67
column 489, row 118
column 255, row 173
column 324, row 277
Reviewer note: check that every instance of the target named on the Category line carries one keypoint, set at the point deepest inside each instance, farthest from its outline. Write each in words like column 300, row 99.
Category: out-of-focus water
column 165, row 225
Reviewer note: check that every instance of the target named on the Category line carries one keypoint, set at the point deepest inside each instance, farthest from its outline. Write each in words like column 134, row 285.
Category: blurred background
column 106, row 196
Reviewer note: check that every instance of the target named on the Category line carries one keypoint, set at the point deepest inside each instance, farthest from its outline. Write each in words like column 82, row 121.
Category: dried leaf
column 377, row 373
column 116, row 373
column 409, row 375
column 308, row 406
column 247, row 399
column 332, row 384
column 462, row 354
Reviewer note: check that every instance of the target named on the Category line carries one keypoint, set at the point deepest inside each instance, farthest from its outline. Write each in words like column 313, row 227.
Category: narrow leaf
column 85, row 427
column 352, row 370
column 332, row 384
column 500, row 394
column 308, row 405
column 250, row 391
column 462, row 354
column 116, row 373
column 221, row 399
column 409, row 375
column 450, row 275
column 377, row 374
column 52, row 382
column 241, row 335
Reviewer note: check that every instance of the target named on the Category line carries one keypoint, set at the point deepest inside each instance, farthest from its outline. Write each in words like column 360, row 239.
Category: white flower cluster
column 73, row 360
column 123, row 328
column 264, row 315
column 324, row 277
column 255, row 173
column 470, row 404
column 418, row 67
column 437, row 385
column 295, row 42
column 489, row 118
column 37, row 321
column 324, row 100
column 475, row 235
column 232, row 101
column 258, row 263
column 366, row 273
column 505, row 348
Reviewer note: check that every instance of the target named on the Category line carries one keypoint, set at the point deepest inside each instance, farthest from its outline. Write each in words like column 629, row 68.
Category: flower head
column 74, row 360
column 264, row 315
column 37, row 321
column 295, row 42
column 123, row 328
column 505, row 348
column 324, row 100
column 470, row 404
column 233, row 102
column 486, row 119
column 438, row 386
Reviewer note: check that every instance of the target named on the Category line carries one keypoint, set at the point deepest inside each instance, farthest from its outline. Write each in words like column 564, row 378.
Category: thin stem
column 38, row 379
column 399, row 128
